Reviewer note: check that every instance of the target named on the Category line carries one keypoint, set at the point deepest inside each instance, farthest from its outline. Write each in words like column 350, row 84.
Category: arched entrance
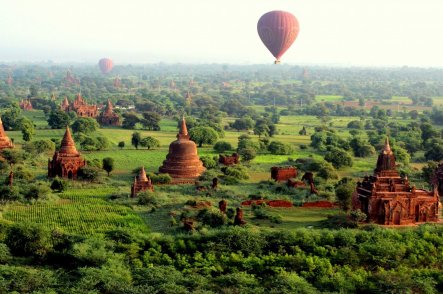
column 70, row 175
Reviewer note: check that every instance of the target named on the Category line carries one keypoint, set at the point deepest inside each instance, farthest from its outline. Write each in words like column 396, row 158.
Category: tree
column 28, row 239
column 338, row 157
column 130, row 119
column 58, row 119
column 150, row 142
column 244, row 123
column 203, row 135
column 121, row 144
column 434, row 152
column 27, row 128
column 151, row 121
column 343, row 191
column 279, row 148
column 303, row 131
column 58, row 185
column 247, row 154
column 10, row 118
column 136, row 138
column 222, row 146
column 85, row 125
column 108, row 164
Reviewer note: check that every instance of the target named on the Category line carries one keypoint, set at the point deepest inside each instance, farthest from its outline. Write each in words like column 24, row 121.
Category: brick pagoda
column 108, row 116
column 80, row 107
column 141, row 183
column 67, row 161
column 26, row 104
column 389, row 199
column 5, row 142
column 182, row 162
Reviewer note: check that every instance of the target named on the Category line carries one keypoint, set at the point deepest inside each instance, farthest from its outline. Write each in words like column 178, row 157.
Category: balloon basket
column 277, row 62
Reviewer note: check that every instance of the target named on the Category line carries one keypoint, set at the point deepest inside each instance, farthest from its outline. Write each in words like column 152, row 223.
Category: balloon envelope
column 278, row 30
column 105, row 65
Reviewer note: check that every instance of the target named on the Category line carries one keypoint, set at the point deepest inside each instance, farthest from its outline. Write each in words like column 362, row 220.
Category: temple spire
column 142, row 175
column 183, row 133
column 68, row 144
column 387, row 147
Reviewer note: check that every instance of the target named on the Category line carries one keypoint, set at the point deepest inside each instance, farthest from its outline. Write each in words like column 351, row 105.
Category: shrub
column 89, row 173
column 150, row 198
column 208, row 162
column 239, row 172
column 222, row 146
column 212, row 217
column 358, row 215
column 247, row 154
column 279, row 148
column 160, row 178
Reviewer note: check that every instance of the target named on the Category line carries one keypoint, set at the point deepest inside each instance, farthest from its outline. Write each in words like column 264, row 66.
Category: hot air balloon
column 278, row 30
column 105, row 65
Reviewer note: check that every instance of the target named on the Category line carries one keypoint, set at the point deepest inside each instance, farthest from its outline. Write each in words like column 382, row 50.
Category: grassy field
column 328, row 98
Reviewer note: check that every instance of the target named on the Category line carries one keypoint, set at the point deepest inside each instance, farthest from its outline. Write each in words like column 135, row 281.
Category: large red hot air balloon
column 105, row 65
column 278, row 30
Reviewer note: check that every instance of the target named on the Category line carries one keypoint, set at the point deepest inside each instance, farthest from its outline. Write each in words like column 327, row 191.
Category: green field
column 328, row 98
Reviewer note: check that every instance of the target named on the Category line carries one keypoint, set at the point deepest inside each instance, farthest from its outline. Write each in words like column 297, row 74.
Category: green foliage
column 87, row 173
column 27, row 128
column 338, row 157
column 150, row 142
column 130, row 119
column 327, row 171
column 108, row 164
column 151, row 121
column 85, row 125
column 28, row 239
column 40, row 147
column 203, row 135
column 279, row 148
column 212, row 217
column 121, row 144
column 343, row 192
column 238, row 171
column 209, row 162
column 247, row 154
column 136, row 139
column 58, row 119
column 10, row 118
column 222, row 146
column 244, row 123
column 59, row 185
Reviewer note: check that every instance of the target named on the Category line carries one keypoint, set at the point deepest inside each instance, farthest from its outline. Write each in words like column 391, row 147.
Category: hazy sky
column 345, row 32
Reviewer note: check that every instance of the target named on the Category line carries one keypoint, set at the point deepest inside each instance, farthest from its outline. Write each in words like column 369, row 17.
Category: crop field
column 328, row 98
column 79, row 213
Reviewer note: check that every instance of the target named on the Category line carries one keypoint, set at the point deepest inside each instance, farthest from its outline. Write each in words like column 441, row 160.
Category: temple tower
column 5, row 142
column 67, row 161
column 182, row 161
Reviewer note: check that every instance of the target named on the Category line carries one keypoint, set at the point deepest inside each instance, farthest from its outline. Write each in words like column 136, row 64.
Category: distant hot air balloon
column 278, row 30
column 105, row 65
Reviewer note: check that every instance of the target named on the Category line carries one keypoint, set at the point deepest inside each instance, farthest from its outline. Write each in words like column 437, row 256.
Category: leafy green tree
column 27, row 128
column 247, row 154
column 244, row 123
column 28, row 239
column 130, row 119
column 89, row 173
column 150, row 142
column 222, row 146
column 58, row 119
column 85, row 125
column 136, row 139
column 151, row 121
column 338, row 157
column 279, row 148
column 343, row 191
column 58, row 185
column 434, row 152
column 327, row 171
column 203, row 135
column 40, row 147
column 10, row 118
column 108, row 164
column 121, row 144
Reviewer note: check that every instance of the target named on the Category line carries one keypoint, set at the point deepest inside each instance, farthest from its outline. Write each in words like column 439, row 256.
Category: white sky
column 345, row 32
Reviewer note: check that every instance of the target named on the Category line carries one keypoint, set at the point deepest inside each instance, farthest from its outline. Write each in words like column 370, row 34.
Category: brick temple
column 141, row 183
column 26, row 104
column 388, row 199
column 108, row 116
column 80, row 107
column 67, row 161
column 182, row 162
column 5, row 142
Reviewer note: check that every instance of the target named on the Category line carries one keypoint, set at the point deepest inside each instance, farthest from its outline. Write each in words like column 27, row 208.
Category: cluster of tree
column 147, row 142
column 235, row 260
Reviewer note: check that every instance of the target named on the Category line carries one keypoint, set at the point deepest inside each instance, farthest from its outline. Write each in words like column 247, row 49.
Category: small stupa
column 182, row 161
column 67, row 161
column 141, row 183
column 5, row 142
column 108, row 116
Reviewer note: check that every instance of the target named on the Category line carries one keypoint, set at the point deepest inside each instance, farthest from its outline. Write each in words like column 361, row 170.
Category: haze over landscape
column 343, row 32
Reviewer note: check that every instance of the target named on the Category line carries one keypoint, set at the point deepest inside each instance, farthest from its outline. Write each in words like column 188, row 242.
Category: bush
column 222, row 146
column 338, row 157
column 150, row 198
column 160, row 178
column 208, row 162
column 239, row 172
column 89, row 173
column 28, row 239
column 212, row 217
column 247, row 154
column 39, row 147
column 59, row 185
column 358, row 215
column 279, row 148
